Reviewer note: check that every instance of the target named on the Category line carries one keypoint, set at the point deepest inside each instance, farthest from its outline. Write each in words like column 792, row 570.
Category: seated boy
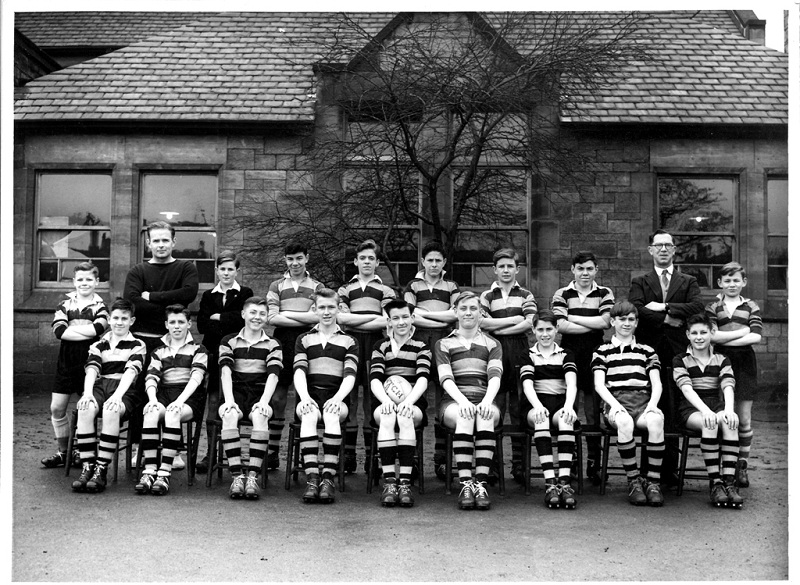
column 113, row 364
column 399, row 354
column 325, row 366
column 79, row 320
column 175, row 393
column 706, row 380
column 470, row 365
column 550, row 386
column 627, row 378
column 249, row 364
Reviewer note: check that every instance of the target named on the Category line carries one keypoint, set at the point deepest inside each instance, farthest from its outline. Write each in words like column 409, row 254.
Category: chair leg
column 191, row 453
column 500, row 459
column 212, row 452
column 579, row 458
column 420, row 459
column 341, row 467
column 73, row 430
column 682, row 467
column 289, row 459
column 371, row 463
column 604, row 464
column 448, row 474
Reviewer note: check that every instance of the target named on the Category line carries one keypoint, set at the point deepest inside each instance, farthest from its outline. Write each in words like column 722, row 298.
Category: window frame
column 140, row 171
column 736, row 173
column 68, row 169
column 773, row 174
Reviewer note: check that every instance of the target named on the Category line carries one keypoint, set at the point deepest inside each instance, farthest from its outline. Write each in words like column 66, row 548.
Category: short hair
column 254, row 300
column 160, row 225
column 369, row 245
column 227, row 256
column 399, row 304
column 659, row 232
column 121, row 304
column 547, row 316
column 177, row 308
column 325, row 293
column 295, row 248
column 86, row 267
column 465, row 296
column 509, row 253
column 624, row 307
column 584, row 256
column 432, row 246
column 699, row 319
column 732, row 268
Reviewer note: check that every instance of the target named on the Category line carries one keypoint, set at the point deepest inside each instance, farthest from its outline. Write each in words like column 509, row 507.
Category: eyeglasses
column 662, row 246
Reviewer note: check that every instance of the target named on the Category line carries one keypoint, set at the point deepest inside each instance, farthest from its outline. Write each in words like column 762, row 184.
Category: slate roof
column 258, row 67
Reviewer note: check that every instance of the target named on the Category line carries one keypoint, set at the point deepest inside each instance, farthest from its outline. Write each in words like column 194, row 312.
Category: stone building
column 133, row 117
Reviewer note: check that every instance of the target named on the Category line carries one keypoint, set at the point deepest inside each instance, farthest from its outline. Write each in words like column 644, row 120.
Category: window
column 494, row 215
column 699, row 211
column 777, row 233
column 188, row 201
column 74, row 210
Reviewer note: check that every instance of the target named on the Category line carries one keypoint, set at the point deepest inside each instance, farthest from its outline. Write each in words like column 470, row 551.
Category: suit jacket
column 684, row 301
column 230, row 317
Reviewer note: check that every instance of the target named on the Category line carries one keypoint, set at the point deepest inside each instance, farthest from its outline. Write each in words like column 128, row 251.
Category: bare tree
column 444, row 120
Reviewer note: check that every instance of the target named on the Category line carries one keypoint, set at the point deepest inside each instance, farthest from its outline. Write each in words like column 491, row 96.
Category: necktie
column 664, row 284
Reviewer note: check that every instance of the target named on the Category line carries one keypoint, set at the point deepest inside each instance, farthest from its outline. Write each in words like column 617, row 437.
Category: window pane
column 74, row 244
column 778, row 250
column 191, row 245
column 778, row 206
column 69, row 199
column 696, row 204
column 479, row 246
column 496, row 197
column 776, row 278
column 180, row 199
column 381, row 195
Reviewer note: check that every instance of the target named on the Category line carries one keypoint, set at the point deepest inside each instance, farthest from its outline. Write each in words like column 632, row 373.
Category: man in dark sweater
column 152, row 286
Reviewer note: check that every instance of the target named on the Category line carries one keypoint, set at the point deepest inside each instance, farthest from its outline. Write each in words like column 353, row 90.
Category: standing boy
column 470, row 366
column 738, row 329
column 431, row 298
column 549, row 392
column 399, row 410
column 583, row 309
column 361, row 311
column 249, row 365
column 289, row 302
column 112, row 367
column 175, row 394
column 78, row 322
column 325, row 366
column 706, row 380
column 627, row 378
column 510, row 309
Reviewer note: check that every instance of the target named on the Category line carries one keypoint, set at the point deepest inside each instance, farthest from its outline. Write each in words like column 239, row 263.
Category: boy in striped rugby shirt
column 509, row 310
column 399, row 354
column 549, row 385
column 363, row 298
column 583, row 309
column 706, row 380
column 470, row 366
column 325, row 366
column 249, row 365
column 627, row 378
column 175, row 393
column 289, row 303
column 432, row 296
column 738, row 329
column 78, row 322
column 112, row 367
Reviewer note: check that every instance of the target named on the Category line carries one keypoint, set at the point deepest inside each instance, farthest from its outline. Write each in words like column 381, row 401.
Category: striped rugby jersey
column 250, row 364
column 470, row 368
column 706, row 380
column 367, row 301
column 326, row 367
column 520, row 302
column 188, row 362
column 746, row 314
column 281, row 295
column 598, row 302
column 547, row 372
column 412, row 360
column 68, row 314
column 627, row 367
column 111, row 362
column 437, row 297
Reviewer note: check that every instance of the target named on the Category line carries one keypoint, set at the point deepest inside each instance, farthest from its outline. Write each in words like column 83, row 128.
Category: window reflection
column 778, row 230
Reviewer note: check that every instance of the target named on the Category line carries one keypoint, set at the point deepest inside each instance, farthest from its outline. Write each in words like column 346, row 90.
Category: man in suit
column 665, row 298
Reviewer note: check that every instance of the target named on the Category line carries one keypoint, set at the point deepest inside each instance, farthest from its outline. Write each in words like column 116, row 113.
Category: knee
column 624, row 426
column 330, row 419
column 172, row 419
column 406, row 423
column 230, row 420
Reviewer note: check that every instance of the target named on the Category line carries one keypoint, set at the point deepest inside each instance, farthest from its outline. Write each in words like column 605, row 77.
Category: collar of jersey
column 556, row 349
column 189, row 339
column 128, row 337
column 234, row 286
column 721, row 297
column 575, row 288
column 617, row 343
column 337, row 330
column 73, row 296
column 496, row 285
column 263, row 336
column 374, row 277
